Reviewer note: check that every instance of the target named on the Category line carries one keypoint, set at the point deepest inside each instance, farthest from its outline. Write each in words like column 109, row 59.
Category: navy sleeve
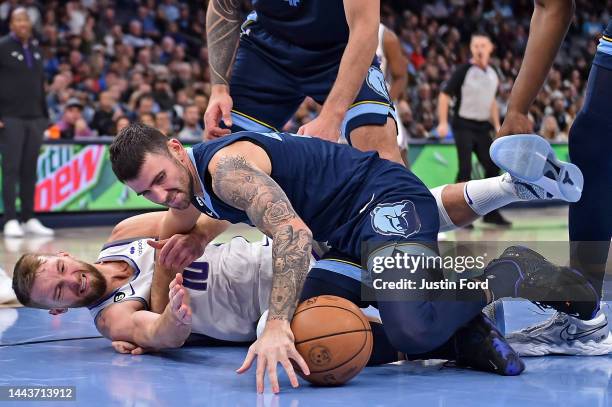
column 453, row 86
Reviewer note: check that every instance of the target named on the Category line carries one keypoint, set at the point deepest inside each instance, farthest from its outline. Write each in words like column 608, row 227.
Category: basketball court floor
column 37, row 349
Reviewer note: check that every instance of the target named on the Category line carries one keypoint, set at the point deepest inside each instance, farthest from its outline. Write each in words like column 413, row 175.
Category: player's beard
column 96, row 286
column 186, row 189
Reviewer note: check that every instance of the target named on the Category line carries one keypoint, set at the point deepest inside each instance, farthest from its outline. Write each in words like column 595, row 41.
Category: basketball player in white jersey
column 221, row 295
column 394, row 66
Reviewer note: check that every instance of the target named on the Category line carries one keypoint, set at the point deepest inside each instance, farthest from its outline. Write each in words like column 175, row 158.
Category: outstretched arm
column 549, row 24
column 149, row 225
column 128, row 322
column 240, row 177
column 172, row 236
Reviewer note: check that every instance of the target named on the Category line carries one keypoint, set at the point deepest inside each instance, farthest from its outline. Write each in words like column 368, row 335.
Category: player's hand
column 128, row 347
column 442, row 130
column 323, row 128
column 276, row 345
column 1, row 124
column 178, row 252
column 219, row 107
column 178, row 300
column 515, row 123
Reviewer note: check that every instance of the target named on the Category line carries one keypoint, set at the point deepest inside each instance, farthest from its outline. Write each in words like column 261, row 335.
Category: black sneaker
column 550, row 286
column 495, row 218
column 481, row 346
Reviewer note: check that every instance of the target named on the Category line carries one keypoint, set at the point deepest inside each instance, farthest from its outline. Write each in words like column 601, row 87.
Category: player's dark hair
column 132, row 144
column 24, row 274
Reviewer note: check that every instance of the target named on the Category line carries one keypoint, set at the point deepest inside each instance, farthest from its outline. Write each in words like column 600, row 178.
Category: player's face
column 165, row 181
column 65, row 282
column 481, row 48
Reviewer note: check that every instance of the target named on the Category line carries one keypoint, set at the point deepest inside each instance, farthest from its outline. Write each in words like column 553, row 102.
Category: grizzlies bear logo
column 376, row 82
column 396, row 219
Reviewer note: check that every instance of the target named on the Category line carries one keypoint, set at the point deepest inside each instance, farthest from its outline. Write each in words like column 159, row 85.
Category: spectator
column 104, row 118
column 71, row 125
column 147, row 118
column 23, row 118
column 191, row 125
column 120, row 123
column 550, row 130
column 163, row 123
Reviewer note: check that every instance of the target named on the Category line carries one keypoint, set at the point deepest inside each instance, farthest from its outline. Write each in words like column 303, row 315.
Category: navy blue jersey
column 319, row 178
column 334, row 189
column 312, row 24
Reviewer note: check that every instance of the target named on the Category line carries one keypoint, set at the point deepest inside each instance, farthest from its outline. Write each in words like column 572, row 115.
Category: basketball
column 334, row 338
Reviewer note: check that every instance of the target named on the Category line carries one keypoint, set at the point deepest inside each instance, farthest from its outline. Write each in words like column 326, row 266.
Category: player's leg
column 13, row 142
column 590, row 149
column 482, row 143
column 337, row 275
column 462, row 203
column 418, row 318
column 379, row 138
column 464, row 143
column 264, row 95
column 370, row 122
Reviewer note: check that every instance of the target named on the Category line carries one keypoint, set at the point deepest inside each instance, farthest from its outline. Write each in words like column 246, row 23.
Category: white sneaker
column 34, row 227
column 6, row 288
column 12, row 228
column 564, row 335
column 531, row 159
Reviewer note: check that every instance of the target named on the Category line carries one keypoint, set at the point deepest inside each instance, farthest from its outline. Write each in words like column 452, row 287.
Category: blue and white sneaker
column 530, row 158
column 564, row 335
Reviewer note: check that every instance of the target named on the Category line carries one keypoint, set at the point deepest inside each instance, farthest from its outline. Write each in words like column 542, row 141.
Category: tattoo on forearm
column 267, row 206
column 223, row 35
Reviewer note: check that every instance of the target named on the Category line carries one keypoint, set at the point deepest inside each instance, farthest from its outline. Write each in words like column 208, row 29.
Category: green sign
column 74, row 177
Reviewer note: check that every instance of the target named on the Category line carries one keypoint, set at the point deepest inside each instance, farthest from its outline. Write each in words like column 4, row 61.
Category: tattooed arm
column 223, row 35
column 246, row 184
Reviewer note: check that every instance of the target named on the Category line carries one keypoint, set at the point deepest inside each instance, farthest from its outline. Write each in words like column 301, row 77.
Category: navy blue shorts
column 271, row 78
column 392, row 205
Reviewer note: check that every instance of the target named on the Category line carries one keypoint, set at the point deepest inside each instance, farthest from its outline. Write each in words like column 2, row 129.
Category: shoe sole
column 574, row 348
column 525, row 156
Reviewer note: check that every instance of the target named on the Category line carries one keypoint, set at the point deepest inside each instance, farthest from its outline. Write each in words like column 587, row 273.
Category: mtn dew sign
column 64, row 173
column 74, row 177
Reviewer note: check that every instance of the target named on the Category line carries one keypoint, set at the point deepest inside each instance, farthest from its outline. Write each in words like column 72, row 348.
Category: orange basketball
column 334, row 338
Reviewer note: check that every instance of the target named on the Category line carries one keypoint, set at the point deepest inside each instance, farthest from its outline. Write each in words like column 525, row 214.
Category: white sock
column 486, row 195
column 446, row 223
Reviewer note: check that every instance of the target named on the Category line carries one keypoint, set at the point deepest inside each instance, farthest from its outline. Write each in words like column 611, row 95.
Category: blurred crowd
column 110, row 62
column 435, row 36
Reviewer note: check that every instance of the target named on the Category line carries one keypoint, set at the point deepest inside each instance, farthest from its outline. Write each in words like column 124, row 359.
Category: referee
column 23, row 119
column 476, row 115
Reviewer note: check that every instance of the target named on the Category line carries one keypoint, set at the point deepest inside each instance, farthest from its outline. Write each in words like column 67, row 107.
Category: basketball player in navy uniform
column 590, row 147
column 297, row 188
column 262, row 70
column 222, row 294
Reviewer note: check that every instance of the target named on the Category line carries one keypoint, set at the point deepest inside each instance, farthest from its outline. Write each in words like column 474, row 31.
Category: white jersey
column 229, row 285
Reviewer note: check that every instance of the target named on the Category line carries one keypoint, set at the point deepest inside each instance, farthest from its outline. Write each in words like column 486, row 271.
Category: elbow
column 175, row 343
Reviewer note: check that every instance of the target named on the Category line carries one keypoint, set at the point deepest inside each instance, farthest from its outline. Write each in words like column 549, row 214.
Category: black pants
column 21, row 140
column 473, row 136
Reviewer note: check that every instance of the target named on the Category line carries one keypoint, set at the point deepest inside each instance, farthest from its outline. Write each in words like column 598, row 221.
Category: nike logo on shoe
column 566, row 336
